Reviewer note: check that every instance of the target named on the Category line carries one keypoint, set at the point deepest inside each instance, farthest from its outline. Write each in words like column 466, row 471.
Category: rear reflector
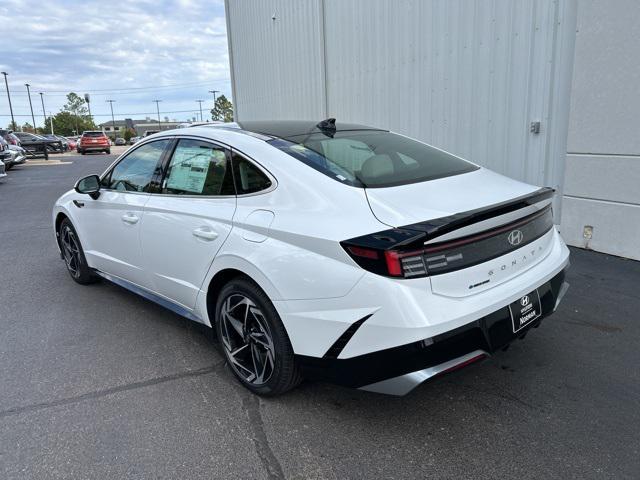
column 464, row 364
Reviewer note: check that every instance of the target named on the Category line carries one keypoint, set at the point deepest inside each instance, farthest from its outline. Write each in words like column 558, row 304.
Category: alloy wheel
column 70, row 251
column 247, row 339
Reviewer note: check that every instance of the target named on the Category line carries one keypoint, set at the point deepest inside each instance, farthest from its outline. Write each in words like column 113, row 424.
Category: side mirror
column 89, row 185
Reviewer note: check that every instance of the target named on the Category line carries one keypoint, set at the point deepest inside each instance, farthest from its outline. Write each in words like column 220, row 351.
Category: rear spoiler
column 421, row 232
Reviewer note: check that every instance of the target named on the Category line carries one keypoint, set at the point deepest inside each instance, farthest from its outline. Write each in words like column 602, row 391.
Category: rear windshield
column 93, row 134
column 372, row 159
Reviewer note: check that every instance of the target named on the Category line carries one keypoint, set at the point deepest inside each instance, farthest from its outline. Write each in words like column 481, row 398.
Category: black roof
column 292, row 128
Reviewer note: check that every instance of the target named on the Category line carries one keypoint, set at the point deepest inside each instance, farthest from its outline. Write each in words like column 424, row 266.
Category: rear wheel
column 254, row 340
column 108, row 152
column 73, row 254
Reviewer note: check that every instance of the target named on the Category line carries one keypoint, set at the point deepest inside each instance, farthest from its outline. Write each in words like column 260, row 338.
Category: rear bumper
column 398, row 370
column 94, row 148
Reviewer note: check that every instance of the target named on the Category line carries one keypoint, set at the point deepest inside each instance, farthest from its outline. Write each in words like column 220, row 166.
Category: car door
column 110, row 225
column 187, row 223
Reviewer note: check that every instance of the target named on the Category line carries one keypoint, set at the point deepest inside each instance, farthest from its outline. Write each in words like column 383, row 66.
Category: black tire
column 285, row 373
column 108, row 152
column 73, row 254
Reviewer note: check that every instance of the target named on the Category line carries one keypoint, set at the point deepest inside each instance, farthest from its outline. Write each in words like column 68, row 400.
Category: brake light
column 391, row 263
column 402, row 253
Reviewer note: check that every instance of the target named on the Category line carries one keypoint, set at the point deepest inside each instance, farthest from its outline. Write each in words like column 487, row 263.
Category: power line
column 193, row 110
column 115, row 90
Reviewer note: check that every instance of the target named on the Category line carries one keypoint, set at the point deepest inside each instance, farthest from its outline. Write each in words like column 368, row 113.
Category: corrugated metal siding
column 467, row 76
column 277, row 64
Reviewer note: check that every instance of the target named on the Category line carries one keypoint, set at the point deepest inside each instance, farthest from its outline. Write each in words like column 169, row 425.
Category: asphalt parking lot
column 96, row 382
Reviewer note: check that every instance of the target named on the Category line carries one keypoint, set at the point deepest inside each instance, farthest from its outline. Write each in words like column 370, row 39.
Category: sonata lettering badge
column 525, row 310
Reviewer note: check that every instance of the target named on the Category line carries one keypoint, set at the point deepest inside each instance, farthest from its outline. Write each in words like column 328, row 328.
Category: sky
column 132, row 52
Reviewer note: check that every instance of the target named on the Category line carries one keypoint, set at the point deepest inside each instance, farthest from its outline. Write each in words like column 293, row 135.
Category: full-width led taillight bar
column 402, row 253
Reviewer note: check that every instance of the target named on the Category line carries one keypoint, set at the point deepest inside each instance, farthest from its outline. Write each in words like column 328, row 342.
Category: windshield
column 372, row 159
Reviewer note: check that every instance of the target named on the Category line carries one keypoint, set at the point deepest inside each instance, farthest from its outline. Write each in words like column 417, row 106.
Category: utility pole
column 200, row 102
column 33, row 117
column 51, row 117
column 158, row 109
column 44, row 113
column 113, row 120
column 9, row 98
column 214, row 100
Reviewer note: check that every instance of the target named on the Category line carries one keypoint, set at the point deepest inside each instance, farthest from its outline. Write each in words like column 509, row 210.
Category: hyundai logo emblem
column 524, row 301
column 515, row 237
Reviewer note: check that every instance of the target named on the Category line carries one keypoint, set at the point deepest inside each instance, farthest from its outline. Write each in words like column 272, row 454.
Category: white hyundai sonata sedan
column 321, row 250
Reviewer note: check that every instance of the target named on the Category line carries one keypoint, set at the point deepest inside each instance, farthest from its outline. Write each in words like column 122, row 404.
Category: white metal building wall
column 276, row 65
column 468, row 76
column 601, row 205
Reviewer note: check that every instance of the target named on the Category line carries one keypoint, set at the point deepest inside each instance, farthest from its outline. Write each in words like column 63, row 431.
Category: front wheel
column 73, row 254
column 254, row 340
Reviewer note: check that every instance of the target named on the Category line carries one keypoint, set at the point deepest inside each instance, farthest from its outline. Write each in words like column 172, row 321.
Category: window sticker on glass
column 190, row 166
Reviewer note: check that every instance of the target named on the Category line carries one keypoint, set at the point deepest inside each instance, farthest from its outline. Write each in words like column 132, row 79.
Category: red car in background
column 94, row 142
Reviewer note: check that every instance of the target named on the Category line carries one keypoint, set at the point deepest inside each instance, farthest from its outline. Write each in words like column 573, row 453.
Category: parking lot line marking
column 34, row 163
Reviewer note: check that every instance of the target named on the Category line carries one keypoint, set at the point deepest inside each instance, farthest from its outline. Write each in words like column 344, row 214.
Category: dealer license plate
column 525, row 310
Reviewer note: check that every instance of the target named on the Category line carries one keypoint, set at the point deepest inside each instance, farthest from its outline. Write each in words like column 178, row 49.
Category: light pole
column 214, row 101
column 158, row 109
column 33, row 117
column 200, row 102
column 51, row 117
column 9, row 98
column 113, row 120
column 44, row 113
column 88, row 100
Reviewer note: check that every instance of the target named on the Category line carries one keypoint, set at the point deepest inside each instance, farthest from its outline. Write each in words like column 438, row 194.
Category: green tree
column 222, row 109
column 66, row 123
column 27, row 127
column 13, row 126
column 77, row 119
column 128, row 133
column 76, row 105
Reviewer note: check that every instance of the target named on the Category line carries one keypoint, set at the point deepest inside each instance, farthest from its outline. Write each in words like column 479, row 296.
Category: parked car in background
column 94, row 141
column 10, row 137
column 72, row 142
column 33, row 143
column 120, row 141
column 322, row 250
column 18, row 155
column 57, row 138
column 133, row 140
column 150, row 132
column 5, row 154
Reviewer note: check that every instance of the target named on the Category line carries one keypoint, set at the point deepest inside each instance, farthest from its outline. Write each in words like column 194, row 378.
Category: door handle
column 130, row 218
column 205, row 233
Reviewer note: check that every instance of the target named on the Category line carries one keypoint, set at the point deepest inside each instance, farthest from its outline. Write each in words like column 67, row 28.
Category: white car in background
column 321, row 250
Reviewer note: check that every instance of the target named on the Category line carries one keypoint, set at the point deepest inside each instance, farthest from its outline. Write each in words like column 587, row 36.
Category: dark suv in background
column 94, row 142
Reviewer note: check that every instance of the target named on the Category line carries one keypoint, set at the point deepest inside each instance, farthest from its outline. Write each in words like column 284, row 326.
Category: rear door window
column 198, row 168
